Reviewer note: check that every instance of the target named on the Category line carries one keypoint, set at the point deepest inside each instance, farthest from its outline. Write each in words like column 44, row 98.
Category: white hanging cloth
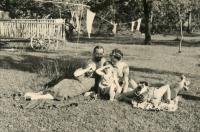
column 132, row 26
column 77, row 23
column 72, row 18
column 89, row 21
column 138, row 24
column 114, row 28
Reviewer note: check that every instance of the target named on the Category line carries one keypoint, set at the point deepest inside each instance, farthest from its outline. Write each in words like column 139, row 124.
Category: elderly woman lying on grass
column 85, row 79
column 152, row 98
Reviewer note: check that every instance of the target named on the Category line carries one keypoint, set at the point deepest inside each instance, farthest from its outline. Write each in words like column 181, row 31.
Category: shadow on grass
column 110, row 40
column 118, row 39
column 190, row 43
column 194, row 34
column 54, row 69
column 148, row 70
column 190, row 97
column 24, row 48
column 131, row 40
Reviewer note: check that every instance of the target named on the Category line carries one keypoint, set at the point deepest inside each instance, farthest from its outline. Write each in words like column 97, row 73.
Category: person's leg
column 123, row 97
column 95, row 88
column 119, row 90
column 44, row 96
column 39, row 95
column 160, row 92
column 89, row 93
column 133, row 84
column 126, row 97
column 112, row 92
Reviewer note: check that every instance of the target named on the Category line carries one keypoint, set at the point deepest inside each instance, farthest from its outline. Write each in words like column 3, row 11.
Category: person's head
column 98, row 53
column 108, row 69
column 142, row 88
column 116, row 55
column 141, row 91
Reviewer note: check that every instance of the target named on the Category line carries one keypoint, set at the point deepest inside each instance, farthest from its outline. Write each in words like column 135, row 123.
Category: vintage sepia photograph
column 99, row 65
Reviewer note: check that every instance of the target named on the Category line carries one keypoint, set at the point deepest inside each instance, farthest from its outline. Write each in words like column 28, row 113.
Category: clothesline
column 126, row 23
column 83, row 6
column 114, row 23
column 104, row 19
column 90, row 18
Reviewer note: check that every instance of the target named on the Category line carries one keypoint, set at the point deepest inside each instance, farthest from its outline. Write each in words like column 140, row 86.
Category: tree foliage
column 165, row 15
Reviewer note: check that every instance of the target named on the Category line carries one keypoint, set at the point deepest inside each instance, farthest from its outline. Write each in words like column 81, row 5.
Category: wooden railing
column 37, row 28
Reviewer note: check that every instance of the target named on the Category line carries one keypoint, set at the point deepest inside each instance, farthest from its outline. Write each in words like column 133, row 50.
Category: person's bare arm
column 100, row 70
column 119, row 89
column 82, row 71
column 125, row 78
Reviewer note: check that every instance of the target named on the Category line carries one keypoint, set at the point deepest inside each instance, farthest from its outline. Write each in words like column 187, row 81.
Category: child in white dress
column 109, row 82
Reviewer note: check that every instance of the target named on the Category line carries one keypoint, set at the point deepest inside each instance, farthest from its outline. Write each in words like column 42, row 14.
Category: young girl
column 109, row 83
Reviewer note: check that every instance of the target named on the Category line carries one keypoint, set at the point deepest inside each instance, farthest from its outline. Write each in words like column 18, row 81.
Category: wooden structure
column 27, row 28
column 39, row 31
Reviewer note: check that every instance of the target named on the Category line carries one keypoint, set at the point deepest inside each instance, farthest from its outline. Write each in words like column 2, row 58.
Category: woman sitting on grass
column 109, row 83
column 121, row 68
column 85, row 79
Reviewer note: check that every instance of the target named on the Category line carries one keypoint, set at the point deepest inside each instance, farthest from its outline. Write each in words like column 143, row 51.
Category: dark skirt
column 71, row 87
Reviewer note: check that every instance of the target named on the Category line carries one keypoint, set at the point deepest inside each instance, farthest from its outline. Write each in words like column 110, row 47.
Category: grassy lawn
column 22, row 71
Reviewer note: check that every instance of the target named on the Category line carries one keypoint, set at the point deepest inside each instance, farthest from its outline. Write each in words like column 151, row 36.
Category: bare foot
column 134, row 103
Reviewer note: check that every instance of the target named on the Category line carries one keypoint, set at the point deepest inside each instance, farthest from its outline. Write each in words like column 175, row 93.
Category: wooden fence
column 37, row 28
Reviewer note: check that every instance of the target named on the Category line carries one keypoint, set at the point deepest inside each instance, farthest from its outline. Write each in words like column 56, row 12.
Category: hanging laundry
column 78, row 26
column 114, row 28
column 132, row 26
column 72, row 18
column 138, row 24
column 72, row 14
column 89, row 21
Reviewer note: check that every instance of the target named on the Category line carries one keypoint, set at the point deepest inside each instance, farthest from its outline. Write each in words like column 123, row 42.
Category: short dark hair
column 144, row 82
column 107, row 63
column 96, row 48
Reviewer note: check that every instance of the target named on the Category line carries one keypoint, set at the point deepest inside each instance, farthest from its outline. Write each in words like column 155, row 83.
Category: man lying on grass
column 152, row 98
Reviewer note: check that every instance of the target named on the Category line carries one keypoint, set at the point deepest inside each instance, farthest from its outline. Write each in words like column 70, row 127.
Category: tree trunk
column 189, row 22
column 147, row 17
column 181, row 40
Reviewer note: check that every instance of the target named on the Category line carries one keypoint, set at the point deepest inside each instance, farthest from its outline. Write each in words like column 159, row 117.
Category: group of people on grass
column 110, row 79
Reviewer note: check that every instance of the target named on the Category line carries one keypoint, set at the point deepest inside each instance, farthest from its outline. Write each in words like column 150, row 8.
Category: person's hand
column 92, row 67
column 167, row 101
